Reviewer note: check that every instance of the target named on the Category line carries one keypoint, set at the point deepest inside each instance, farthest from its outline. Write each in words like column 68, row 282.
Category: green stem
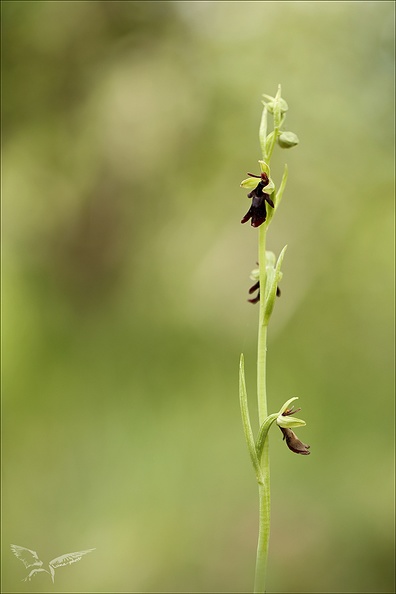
column 264, row 526
column 264, row 490
column 262, row 332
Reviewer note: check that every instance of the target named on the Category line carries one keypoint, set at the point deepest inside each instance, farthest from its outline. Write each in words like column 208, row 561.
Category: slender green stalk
column 264, row 526
column 264, row 490
column 262, row 333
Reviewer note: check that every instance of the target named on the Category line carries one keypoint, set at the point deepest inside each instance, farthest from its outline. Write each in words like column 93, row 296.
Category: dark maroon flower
column 292, row 441
column 258, row 211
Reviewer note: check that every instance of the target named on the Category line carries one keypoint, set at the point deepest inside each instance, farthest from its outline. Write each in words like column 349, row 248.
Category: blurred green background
column 127, row 128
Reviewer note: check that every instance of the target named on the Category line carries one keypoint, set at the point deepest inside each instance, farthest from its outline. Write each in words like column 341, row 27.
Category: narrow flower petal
column 268, row 199
column 255, row 299
column 254, row 288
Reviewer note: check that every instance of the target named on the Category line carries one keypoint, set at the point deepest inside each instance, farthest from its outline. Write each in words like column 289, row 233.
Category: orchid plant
column 266, row 197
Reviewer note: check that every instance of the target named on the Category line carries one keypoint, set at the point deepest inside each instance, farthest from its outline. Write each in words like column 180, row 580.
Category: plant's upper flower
column 258, row 212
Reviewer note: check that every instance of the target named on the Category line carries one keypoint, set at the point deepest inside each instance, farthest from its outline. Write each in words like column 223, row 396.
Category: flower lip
column 258, row 212
column 293, row 443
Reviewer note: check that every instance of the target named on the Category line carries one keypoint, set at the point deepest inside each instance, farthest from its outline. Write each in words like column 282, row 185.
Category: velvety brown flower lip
column 293, row 443
column 258, row 212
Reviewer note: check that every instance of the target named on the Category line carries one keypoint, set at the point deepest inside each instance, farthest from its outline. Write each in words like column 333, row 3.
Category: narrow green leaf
column 282, row 186
column 246, row 422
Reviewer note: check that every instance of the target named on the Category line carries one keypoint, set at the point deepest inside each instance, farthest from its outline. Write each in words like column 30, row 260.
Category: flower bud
column 272, row 102
column 287, row 140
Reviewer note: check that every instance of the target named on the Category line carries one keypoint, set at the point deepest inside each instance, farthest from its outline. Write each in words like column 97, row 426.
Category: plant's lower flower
column 258, row 212
column 256, row 287
column 293, row 443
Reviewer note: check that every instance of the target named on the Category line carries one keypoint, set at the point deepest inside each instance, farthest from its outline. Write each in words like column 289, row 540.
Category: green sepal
column 265, row 168
column 274, row 276
column 287, row 404
column 246, row 422
column 288, row 421
column 250, row 183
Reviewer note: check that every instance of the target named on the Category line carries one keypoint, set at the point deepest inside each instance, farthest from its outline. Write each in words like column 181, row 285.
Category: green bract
column 274, row 276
